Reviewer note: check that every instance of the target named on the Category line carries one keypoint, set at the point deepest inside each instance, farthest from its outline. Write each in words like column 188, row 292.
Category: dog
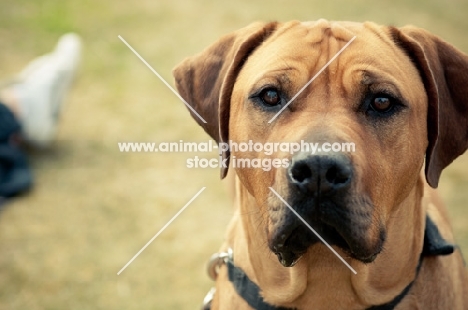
column 401, row 96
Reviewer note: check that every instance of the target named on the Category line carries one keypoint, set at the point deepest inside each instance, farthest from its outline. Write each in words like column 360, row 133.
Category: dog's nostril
column 336, row 175
column 300, row 172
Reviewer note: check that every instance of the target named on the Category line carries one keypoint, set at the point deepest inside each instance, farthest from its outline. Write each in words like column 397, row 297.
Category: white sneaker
column 42, row 89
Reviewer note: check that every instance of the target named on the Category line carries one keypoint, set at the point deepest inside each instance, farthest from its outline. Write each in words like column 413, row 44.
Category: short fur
column 389, row 198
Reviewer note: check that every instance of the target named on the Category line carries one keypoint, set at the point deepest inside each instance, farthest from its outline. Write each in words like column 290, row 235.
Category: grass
column 93, row 208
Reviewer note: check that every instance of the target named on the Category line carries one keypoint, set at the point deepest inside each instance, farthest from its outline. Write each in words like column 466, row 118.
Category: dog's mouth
column 289, row 248
column 291, row 240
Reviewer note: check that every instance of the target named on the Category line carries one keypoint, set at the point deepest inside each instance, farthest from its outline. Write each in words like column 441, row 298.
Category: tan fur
column 388, row 158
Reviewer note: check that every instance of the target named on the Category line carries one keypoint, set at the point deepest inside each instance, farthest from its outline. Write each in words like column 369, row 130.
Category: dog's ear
column 206, row 80
column 444, row 71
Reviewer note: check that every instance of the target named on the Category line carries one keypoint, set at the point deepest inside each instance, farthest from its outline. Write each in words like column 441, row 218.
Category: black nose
column 320, row 173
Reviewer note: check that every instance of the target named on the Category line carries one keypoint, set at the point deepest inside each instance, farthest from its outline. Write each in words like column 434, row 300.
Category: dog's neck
column 320, row 277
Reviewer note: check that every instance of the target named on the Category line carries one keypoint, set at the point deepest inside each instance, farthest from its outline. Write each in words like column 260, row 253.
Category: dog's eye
column 382, row 104
column 270, row 96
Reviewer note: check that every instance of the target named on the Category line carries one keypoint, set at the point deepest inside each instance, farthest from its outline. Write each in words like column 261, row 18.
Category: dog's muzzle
column 320, row 190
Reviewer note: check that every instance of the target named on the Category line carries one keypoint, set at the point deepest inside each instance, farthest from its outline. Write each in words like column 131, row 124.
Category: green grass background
column 93, row 208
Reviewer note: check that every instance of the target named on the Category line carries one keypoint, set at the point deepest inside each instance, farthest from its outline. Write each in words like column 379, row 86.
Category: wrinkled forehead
column 296, row 39
column 314, row 32
column 303, row 48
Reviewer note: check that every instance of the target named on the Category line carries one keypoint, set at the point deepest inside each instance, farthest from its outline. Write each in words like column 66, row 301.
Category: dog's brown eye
column 270, row 96
column 381, row 104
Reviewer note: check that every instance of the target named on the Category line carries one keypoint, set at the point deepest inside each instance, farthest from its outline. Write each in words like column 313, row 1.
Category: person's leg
column 30, row 108
column 15, row 175
column 37, row 98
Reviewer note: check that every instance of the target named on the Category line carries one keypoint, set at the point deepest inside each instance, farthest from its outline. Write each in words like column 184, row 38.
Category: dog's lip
column 365, row 251
column 289, row 252
column 288, row 259
column 365, row 256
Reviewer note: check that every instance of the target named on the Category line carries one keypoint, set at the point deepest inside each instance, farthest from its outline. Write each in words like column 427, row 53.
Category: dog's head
column 397, row 95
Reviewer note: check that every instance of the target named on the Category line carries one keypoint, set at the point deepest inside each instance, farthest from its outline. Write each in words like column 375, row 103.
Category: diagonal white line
column 161, row 230
column 313, row 230
column 311, row 80
column 161, row 78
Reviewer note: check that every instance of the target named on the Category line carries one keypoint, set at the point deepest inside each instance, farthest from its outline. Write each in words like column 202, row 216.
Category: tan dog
column 399, row 94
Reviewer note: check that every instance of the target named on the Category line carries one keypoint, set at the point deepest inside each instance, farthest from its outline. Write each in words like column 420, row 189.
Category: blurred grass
column 93, row 208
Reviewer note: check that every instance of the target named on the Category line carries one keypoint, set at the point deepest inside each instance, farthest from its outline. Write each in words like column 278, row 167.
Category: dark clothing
column 15, row 175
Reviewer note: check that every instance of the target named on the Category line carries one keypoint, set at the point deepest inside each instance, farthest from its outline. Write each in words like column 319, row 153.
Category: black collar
column 434, row 244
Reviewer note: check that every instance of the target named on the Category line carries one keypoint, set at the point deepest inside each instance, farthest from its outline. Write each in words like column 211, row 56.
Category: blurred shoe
column 43, row 86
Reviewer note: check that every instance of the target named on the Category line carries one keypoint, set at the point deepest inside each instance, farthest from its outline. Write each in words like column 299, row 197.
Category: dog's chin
column 289, row 248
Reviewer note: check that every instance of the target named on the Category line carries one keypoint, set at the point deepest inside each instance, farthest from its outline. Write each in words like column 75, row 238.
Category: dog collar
column 434, row 245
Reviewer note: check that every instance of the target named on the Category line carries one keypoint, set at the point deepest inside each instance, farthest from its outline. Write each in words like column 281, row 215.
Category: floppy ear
column 444, row 71
column 206, row 80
